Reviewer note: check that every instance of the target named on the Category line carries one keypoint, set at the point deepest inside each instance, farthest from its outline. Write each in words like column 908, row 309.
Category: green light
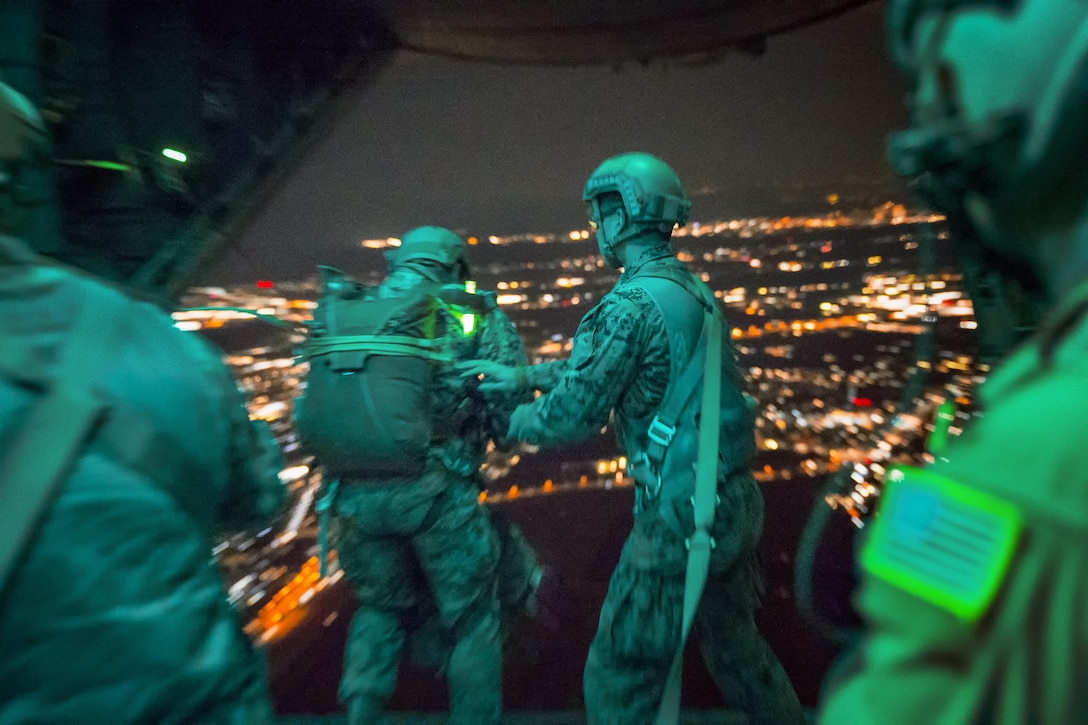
column 109, row 165
column 175, row 155
column 94, row 164
column 468, row 320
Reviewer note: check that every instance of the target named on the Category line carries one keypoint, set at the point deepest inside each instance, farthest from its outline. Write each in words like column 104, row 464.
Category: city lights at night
column 826, row 329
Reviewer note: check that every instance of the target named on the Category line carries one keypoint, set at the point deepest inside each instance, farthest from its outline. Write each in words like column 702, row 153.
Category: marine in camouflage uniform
column 620, row 365
column 115, row 611
column 422, row 554
column 974, row 585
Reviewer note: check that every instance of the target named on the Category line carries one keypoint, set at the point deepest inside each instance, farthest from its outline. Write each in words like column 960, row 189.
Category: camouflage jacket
column 619, row 361
column 117, row 612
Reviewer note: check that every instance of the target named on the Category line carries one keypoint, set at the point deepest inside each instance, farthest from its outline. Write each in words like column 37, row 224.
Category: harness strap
column 47, row 444
column 663, row 426
column 705, row 501
column 326, row 505
column 682, row 387
column 435, row 349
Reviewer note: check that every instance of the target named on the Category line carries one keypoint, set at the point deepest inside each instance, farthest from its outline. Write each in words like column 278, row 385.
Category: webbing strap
column 48, row 442
column 379, row 345
column 705, row 501
column 663, row 426
column 325, row 506
column 683, row 387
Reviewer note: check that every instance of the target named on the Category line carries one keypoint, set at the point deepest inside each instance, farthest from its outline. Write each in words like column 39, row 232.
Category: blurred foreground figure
column 124, row 445
column 975, row 573
column 630, row 358
column 423, row 555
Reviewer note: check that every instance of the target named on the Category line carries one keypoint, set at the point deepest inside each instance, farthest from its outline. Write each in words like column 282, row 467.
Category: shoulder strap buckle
column 661, row 433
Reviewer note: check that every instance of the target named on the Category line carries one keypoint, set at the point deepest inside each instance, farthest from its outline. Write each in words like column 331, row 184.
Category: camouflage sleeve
column 500, row 342
column 255, row 494
column 604, row 357
column 546, row 376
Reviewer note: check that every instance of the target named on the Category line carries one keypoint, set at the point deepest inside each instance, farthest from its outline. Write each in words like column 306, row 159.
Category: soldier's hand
column 493, row 377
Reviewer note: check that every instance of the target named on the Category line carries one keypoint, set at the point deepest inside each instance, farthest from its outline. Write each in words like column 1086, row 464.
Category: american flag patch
column 942, row 541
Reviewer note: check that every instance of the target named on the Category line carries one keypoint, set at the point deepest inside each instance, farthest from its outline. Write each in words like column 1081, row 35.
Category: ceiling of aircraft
column 175, row 122
column 577, row 32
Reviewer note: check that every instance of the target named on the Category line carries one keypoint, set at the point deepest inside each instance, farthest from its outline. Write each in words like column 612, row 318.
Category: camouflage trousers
column 641, row 619
column 404, row 546
column 518, row 575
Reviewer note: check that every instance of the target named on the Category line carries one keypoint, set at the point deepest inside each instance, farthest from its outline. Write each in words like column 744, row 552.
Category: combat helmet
column 24, row 151
column 651, row 192
column 998, row 93
column 434, row 245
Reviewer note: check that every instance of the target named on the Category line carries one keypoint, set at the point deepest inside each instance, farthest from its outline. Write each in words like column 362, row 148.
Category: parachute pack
column 367, row 412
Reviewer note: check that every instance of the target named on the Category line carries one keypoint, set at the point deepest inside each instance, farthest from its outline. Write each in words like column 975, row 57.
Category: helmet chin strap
column 610, row 251
column 609, row 246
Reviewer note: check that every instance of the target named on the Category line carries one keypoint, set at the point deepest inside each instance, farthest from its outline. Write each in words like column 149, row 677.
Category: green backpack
column 366, row 411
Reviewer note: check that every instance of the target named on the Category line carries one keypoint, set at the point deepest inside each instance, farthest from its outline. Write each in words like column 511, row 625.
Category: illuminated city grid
column 826, row 314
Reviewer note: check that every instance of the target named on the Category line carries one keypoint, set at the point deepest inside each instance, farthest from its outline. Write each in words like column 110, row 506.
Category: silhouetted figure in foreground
column 124, row 445
column 975, row 574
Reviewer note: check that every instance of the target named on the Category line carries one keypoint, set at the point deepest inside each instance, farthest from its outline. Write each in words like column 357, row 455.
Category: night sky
column 489, row 149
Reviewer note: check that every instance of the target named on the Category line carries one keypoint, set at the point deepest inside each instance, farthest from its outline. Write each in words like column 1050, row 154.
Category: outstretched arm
column 500, row 343
column 605, row 356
